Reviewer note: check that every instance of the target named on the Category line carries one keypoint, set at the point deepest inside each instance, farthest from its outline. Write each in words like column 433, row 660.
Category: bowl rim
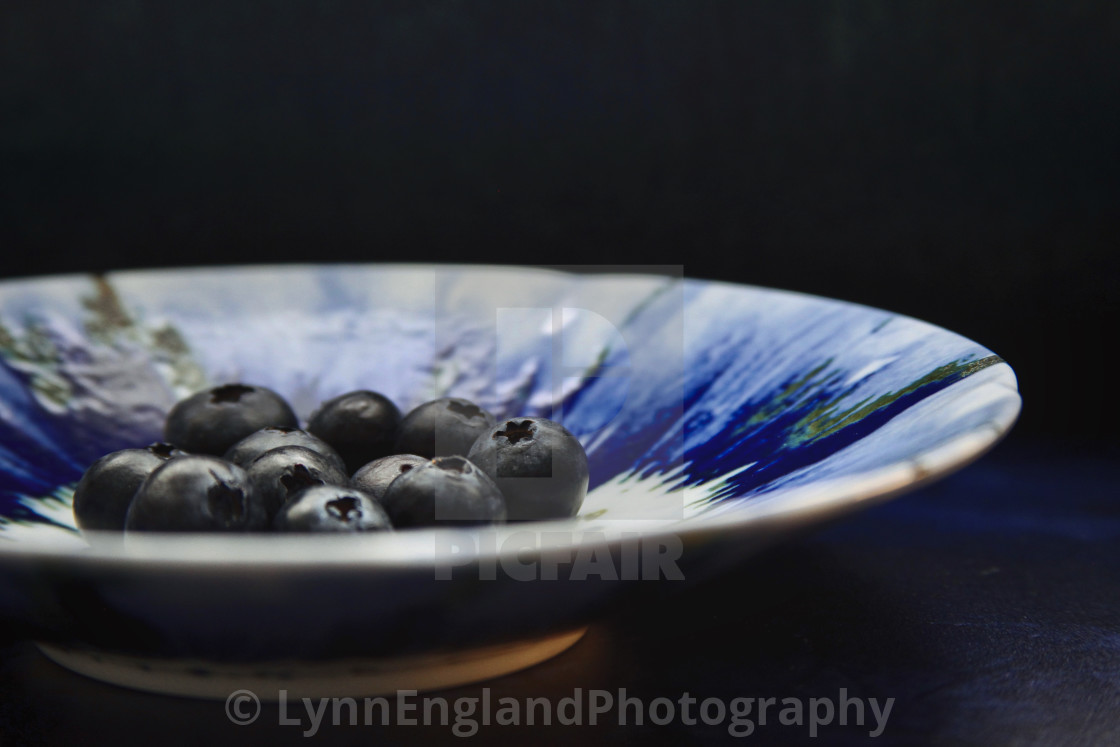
column 429, row 549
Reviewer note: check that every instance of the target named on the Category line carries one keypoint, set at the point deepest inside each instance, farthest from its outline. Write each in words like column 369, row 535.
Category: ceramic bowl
column 717, row 419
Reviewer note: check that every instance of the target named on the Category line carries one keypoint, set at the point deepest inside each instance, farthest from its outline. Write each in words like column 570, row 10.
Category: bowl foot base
column 340, row 678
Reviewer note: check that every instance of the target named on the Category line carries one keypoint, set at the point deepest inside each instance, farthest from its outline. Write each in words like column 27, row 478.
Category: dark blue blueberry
column 196, row 493
column 211, row 421
column 540, row 467
column 375, row 477
column 360, row 425
column 445, row 491
column 278, row 475
column 330, row 508
column 252, row 446
column 442, row 427
column 104, row 493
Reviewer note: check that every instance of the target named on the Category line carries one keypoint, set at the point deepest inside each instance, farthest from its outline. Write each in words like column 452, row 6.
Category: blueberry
column 446, row 490
column 196, row 493
column 279, row 474
column 375, row 477
column 252, row 446
column 360, row 425
column 330, row 508
column 442, row 427
column 540, row 467
column 104, row 493
column 211, row 421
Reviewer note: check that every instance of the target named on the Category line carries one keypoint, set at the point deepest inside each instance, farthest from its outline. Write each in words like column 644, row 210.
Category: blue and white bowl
column 717, row 419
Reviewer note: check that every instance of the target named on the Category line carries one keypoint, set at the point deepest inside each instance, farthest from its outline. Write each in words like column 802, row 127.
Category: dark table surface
column 985, row 605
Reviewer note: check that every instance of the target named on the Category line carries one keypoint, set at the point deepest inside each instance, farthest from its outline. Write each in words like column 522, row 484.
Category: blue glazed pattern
column 689, row 396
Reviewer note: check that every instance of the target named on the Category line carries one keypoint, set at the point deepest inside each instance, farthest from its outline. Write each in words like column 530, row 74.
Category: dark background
column 956, row 161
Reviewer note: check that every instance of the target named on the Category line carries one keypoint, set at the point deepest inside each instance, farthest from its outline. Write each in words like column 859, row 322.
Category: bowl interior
column 696, row 401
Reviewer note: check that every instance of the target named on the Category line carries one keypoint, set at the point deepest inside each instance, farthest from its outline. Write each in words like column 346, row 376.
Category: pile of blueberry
column 235, row 459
